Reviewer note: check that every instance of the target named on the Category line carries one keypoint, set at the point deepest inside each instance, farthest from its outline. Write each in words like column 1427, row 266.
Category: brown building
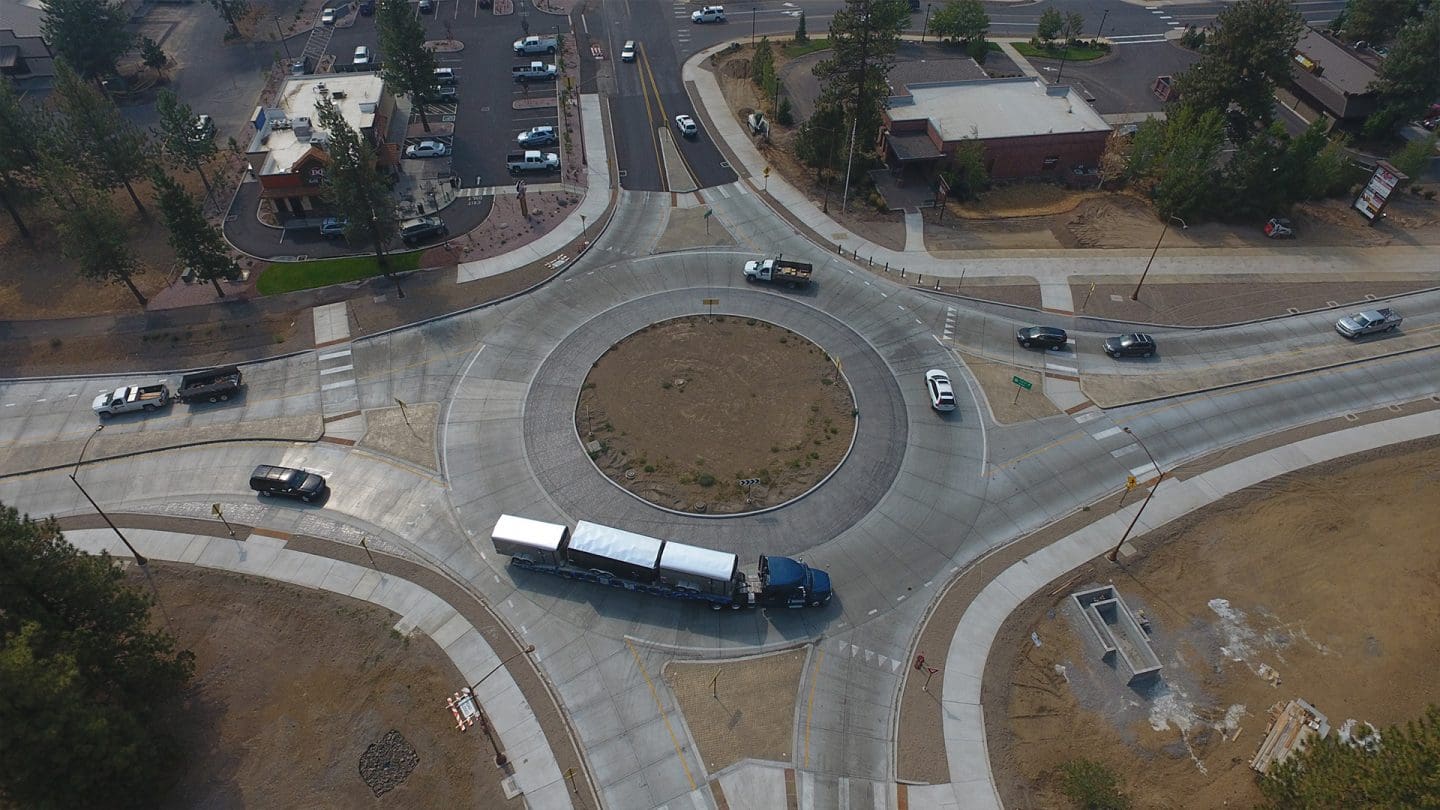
column 287, row 154
column 1028, row 128
column 1332, row 77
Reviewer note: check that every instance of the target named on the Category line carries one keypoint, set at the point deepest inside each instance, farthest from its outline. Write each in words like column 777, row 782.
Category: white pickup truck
column 1368, row 322
column 534, row 45
column 535, row 71
column 129, row 398
column 532, row 160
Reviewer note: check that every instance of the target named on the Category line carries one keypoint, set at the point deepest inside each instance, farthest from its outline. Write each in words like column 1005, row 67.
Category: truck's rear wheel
column 224, row 397
column 105, row 414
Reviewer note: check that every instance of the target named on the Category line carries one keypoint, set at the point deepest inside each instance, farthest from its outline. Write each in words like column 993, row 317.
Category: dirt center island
column 716, row 414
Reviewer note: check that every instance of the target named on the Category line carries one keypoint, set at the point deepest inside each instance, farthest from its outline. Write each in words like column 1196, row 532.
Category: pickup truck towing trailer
column 1368, row 322
column 634, row 562
column 211, row 385
column 129, row 398
column 779, row 271
column 532, row 161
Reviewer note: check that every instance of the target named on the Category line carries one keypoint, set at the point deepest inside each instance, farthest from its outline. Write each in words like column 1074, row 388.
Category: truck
column 532, row 45
column 210, row 385
column 1368, row 322
column 779, row 271
column 129, row 398
column 532, row 160
column 533, row 72
column 604, row 555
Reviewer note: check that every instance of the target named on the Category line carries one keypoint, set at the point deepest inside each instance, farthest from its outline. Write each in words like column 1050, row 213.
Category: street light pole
column 926, row 26
column 500, row 758
column 1114, row 553
column 752, row 26
column 1067, row 46
column 283, row 41
column 1135, row 296
column 139, row 558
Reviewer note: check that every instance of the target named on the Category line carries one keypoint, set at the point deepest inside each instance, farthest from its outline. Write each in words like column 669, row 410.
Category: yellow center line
column 810, row 703
column 650, row 113
column 663, row 714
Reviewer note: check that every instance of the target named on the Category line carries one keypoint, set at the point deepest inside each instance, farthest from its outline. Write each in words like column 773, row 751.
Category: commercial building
column 287, row 154
column 1332, row 76
column 1027, row 128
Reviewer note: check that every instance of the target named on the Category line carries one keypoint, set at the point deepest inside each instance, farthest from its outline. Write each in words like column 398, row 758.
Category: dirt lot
column 748, row 712
column 291, row 688
column 1325, row 578
column 685, row 408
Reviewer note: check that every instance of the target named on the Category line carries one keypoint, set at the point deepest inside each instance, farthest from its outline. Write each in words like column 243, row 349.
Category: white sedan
column 942, row 395
column 427, row 149
column 686, row 125
column 362, row 55
column 327, row 17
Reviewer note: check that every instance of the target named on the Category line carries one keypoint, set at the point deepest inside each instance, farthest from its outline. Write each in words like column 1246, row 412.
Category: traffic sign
column 1022, row 382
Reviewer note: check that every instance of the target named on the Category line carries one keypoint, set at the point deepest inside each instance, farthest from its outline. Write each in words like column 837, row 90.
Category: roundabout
column 715, row 415
column 883, row 523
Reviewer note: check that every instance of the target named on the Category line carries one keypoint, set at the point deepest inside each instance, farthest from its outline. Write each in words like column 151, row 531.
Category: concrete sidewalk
column 971, row 781
column 1051, row 268
column 536, row 772
column 586, row 216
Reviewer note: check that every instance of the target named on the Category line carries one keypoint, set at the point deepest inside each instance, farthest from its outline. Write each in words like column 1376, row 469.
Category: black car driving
column 287, row 481
column 1044, row 337
column 1133, row 345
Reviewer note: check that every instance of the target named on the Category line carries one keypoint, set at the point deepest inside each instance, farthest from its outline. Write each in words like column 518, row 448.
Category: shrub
column 705, row 480
column 1092, row 786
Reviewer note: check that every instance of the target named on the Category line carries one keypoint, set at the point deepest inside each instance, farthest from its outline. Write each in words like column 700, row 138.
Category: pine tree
column 409, row 66
column 94, row 237
column 355, row 187
column 106, row 148
column 197, row 243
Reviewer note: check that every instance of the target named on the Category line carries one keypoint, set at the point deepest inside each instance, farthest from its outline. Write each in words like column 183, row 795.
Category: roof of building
column 1339, row 67
column 996, row 108
column 283, row 135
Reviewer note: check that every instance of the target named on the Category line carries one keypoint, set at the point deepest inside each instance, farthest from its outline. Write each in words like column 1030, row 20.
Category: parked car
column 1279, row 228
column 445, row 77
column 420, row 229
column 1044, row 337
column 362, row 55
column 686, row 125
column 627, row 53
column 444, row 92
column 942, row 394
column 427, row 6
column 427, row 149
column 536, row 137
column 333, row 227
column 708, row 14
column 300, row 66
column 367, row 8
column 1132, row 345
column 204, row 127
column 287, row 482
column 327, row 17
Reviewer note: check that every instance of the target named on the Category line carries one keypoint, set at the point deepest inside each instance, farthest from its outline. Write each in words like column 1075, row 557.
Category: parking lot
column 481, row 124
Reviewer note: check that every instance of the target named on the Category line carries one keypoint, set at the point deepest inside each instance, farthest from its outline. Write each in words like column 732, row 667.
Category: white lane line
column 334, row 385
column 333, row 355
column 336, row 370
column 1058, row 367
column 1105, row 434
column 1144, row 469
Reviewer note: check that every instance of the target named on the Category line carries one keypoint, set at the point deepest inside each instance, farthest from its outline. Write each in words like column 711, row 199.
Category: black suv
column 1046, row 337
column 1130, row 346
column 419, row 229
column 287, row 481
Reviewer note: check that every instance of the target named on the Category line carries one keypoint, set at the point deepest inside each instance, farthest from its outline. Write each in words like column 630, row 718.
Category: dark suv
column 1046, row 337
column 287, row 481
column 1133, row 345
column 420, row 229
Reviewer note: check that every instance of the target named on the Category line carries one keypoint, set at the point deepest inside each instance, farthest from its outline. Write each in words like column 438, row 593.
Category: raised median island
column 715, row 415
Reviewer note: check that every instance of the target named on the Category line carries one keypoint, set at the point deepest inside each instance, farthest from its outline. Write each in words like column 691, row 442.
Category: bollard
column 887, row 267
column 840, row 249
column 919, row 279
column 902, row 272
column 870, row 262
column 937, row 285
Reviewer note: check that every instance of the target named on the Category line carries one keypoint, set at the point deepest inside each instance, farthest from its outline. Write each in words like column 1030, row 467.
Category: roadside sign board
column 1022, row 382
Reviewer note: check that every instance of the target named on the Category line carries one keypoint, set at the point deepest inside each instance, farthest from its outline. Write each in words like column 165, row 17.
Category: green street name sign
column 1022, row 382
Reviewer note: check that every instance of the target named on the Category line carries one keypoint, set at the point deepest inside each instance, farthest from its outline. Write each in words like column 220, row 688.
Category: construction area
column 1304, row 606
